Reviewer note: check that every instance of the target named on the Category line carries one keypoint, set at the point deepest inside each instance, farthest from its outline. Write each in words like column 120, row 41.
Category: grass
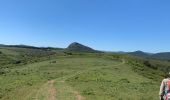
column 91, row 76
column 114, row 83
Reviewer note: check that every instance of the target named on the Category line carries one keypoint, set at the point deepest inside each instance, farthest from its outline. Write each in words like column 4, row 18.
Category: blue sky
column 111, row 25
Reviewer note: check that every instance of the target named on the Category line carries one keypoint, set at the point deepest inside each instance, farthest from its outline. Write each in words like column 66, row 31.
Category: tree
column 148, row 64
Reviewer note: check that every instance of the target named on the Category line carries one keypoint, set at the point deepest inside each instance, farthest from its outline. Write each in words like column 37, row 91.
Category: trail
column 52, row 90
column 78, row 96
column 66, row 90
column 47, row 91
column 123, row 62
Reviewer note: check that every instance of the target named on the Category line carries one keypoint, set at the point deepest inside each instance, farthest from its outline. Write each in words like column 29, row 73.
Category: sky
column 110, row 25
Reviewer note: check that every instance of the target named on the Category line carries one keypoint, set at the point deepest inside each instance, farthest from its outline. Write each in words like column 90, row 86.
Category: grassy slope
column 114, row 83
column 93, row 78
column 89, row 76
column 17, row 74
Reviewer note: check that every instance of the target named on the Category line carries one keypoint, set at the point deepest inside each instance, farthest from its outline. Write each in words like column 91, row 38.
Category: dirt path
column 47, row 91
column 78, row 96
column 52, row 90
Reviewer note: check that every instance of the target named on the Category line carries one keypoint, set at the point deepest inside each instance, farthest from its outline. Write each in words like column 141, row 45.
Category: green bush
column 89, row 91
column 16, row 61
column 68, row 53
column 148, row 64
column 3, row 71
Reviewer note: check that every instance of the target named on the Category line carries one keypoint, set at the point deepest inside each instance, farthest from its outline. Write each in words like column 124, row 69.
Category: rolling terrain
column 159, row 56
column 58, row 74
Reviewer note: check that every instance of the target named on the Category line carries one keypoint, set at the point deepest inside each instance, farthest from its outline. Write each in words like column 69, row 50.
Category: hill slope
column 20, row 55
column 88, row 76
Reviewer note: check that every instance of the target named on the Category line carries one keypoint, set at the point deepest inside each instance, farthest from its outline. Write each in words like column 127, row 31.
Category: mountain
column 77, row 47
column 140, row 54
column 30, row 47
column 162, row 55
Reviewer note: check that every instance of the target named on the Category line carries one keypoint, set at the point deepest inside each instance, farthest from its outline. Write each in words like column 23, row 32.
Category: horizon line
column 79, row 43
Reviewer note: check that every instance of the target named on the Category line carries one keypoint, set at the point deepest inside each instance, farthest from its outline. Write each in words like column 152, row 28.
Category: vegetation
column 29, row 73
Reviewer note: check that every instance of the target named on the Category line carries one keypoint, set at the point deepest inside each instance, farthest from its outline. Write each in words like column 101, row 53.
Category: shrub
column 124, row 80
column 68, row 53
column 16, row 61
column 89, row 91
column 148, row 64
column 53, row 61
column 3, row 71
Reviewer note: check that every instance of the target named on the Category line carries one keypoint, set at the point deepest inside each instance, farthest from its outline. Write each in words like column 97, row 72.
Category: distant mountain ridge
column 29, row 47
column 77, row 47
column 140, row 53
column 162, row 55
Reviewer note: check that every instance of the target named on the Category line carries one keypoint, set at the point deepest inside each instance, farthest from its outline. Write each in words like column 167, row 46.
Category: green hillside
column 53, row 74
